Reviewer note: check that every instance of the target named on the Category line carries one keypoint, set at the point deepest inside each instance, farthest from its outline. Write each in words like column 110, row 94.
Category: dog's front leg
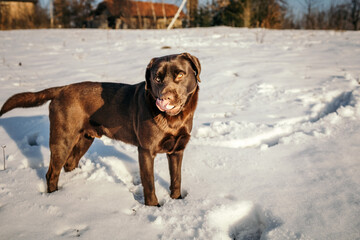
column 146, row 162
column 175, row 160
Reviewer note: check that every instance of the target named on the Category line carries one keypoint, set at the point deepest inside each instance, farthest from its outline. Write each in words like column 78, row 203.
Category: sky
column 299, row 5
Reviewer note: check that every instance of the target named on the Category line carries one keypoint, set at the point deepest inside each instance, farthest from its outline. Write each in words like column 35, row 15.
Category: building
column 135, row 14
column 17, row 13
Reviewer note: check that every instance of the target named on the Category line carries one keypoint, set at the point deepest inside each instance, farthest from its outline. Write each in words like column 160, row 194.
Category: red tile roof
column 147, row 9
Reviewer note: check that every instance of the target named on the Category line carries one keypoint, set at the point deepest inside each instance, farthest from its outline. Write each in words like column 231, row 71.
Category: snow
column 273, row 154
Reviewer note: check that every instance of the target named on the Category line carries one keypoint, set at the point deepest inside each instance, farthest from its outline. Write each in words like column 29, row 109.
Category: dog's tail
column 30, row 99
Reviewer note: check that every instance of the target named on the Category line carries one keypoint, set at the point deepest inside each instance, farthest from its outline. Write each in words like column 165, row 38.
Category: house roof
column 146, row 9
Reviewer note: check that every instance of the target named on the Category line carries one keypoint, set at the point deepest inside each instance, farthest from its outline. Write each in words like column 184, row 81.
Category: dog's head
column 171, row 80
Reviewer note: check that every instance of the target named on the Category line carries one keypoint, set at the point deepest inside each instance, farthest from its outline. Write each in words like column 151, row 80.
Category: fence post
column 176, row 15
column 3, row 147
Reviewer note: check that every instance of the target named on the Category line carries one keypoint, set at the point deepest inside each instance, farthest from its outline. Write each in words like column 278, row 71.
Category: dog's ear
column 148, row 74
column 195, row 63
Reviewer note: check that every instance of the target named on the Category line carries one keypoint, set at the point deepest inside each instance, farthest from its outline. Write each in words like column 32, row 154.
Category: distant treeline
column 274, row 14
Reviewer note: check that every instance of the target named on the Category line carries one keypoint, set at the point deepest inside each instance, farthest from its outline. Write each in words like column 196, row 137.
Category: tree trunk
column 247, row 14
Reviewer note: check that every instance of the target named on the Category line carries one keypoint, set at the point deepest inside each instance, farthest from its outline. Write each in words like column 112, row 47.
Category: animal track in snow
column 234, row 134
column 242, row 221
column 32, row 139
column 73, row 232
column 342, row 100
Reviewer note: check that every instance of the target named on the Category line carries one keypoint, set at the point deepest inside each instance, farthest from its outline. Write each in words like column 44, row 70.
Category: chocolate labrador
column 155, row 115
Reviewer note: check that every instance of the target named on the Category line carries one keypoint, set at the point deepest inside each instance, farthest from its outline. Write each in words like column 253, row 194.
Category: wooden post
column 164, row 12
column 139, row 15
column 154, row 14
column 3, row 147
column 177, row 14
column 51, row 10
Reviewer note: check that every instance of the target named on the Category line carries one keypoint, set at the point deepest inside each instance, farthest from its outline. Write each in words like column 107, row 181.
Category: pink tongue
column 163, row 105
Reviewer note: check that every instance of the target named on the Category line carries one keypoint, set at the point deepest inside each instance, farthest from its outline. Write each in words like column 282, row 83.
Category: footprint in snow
column 73, row 232
column 242, row 221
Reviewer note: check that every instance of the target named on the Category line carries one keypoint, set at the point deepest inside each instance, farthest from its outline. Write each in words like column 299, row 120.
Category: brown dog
column 155, row 115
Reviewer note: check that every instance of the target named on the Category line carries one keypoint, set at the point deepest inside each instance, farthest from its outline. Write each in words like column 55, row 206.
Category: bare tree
column 164, row 11
column 192, row 8
column 246, row 14
column 309, row 16
column 4, row 17
column 338, row 17
column 355, row 13
column 80, row 11
column 154, row 14
column 62, row 13
column 268, row 13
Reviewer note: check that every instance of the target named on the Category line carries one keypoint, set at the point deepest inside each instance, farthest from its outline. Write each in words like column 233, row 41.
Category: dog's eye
column 180, row 75
column 157, row 79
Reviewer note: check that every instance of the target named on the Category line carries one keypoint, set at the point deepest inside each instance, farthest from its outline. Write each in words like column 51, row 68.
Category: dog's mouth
column 165, row 106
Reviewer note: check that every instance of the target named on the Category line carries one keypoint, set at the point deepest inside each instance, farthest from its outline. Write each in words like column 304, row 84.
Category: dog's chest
column 171, row 143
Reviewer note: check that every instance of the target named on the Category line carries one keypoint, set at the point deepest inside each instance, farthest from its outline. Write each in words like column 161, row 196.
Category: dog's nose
column 167, row 96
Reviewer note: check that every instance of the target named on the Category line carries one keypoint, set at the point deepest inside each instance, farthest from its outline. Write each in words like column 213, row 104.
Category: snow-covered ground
column 274, row 152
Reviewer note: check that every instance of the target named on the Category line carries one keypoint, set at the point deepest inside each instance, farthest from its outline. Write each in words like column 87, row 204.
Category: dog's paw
column 179, row 196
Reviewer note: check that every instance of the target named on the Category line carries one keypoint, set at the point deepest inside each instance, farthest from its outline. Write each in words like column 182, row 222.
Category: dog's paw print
column 243, row 221
column 73, row 232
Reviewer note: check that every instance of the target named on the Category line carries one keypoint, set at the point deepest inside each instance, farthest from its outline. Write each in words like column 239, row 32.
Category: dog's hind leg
column 78, row 151
column 64, row 135
column 59, row 154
